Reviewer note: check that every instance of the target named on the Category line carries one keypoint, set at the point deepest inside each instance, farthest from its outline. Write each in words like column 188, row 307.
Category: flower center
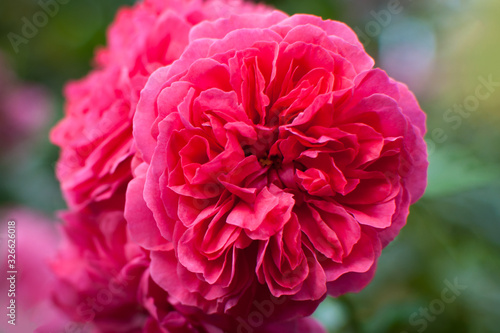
column 273, row 161
column 265, row 162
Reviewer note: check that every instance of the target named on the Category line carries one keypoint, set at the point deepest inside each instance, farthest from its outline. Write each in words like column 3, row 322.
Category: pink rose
column 99, row 272
column 28, row 240
column 277, row 165
column 96, row 134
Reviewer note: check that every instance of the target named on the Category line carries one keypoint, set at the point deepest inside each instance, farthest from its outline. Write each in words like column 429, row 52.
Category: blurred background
column 442, row 273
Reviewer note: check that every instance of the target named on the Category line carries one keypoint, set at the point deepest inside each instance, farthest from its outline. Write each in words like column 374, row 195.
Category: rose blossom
column 96, row 134
column 277, row 164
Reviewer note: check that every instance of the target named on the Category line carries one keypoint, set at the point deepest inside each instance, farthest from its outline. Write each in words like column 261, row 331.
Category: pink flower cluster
column 226, row 167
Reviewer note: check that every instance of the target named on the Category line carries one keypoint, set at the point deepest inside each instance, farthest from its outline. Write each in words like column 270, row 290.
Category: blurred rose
column 99, row 271
column 36, row 240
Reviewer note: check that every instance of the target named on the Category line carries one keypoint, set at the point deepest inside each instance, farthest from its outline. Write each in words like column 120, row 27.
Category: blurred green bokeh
column 445, row 50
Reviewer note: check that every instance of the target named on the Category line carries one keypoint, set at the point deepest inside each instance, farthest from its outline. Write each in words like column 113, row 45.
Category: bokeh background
column 442, row 273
